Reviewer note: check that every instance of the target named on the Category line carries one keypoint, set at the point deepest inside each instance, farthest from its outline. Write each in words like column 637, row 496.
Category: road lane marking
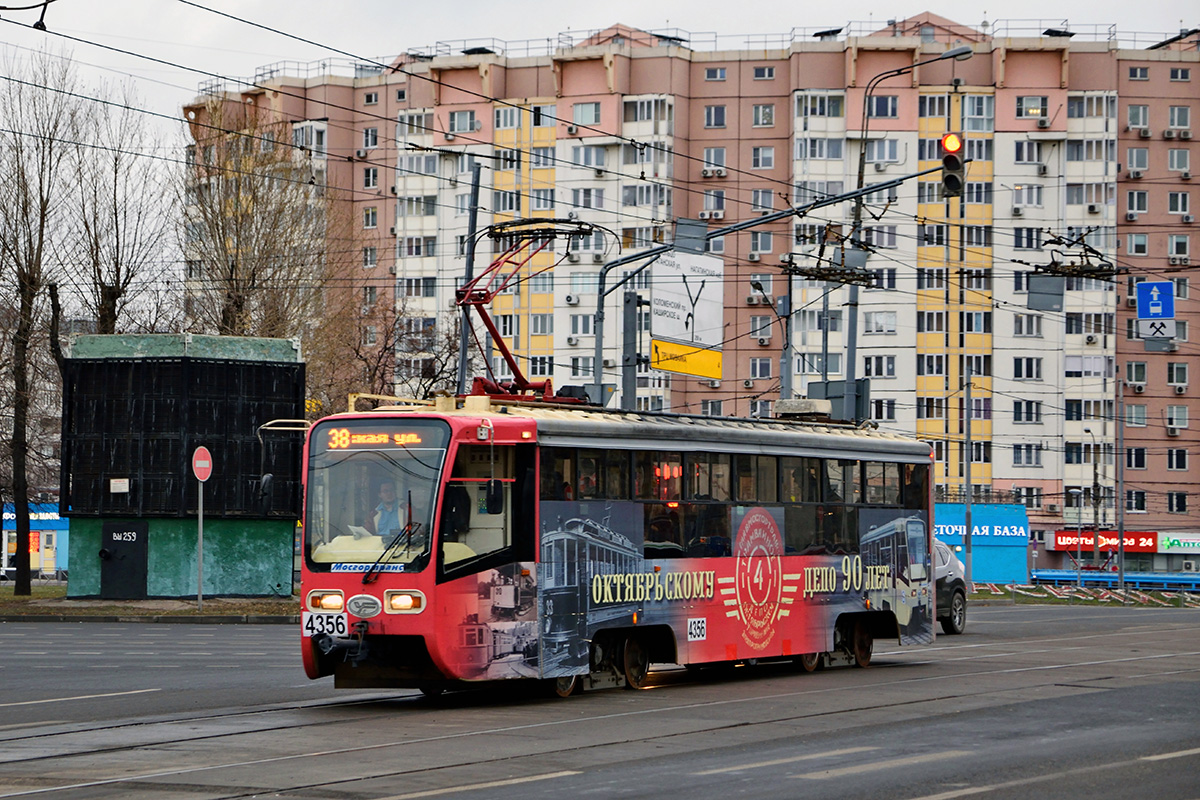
column 489, row 785
column 875, row 766
column 77, row 697
column 775, row 762
column 1177, row 754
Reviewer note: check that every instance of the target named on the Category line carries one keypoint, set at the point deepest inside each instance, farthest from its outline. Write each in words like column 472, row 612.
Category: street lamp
column 960, row 53
column 1078, row 536
column 1095, row 498
column 785, row 324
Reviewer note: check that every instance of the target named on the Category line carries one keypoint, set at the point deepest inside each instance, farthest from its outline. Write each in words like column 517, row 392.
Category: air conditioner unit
column 1092, row 338
column 1093, row 208
column 597, row 258
column 713, row 383
column 609, row 362
column 1185, row 134
column 763, row 341
column 1189, row 218
column 1053, row 508
column 1018, row 211
column 360, row 153
column 599, row 172
column 1189, row 566
column 1136, row 174
column 366, row 310
column 880, row 166
column 392, row 230
column 1168, row 134
column 1131, row 302
column 751, row 299
column 1187, row 176
column 573, row 258
column 718, row 215
column 754, row 257
column 392, row 189
column 706, row 173
column 572, row 299
column 1172, row 431
column 747, row 384
column 1144, row 133
column 1139, row 388
column 1131, row 216
column 392, row 269
column 449, row 136
column 1173, row 261
column 572, row 129
column 572, row 340
column 703, row 215
column 1042, row 169
column 1181, row 388
column 719, row 172
column 572, row 215
column 1043, row 122
column 1172, row 347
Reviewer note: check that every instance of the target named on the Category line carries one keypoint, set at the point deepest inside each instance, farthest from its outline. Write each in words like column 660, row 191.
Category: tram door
column 123, row 558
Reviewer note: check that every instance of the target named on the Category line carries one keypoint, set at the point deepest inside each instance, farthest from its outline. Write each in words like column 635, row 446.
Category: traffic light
column 953, row 165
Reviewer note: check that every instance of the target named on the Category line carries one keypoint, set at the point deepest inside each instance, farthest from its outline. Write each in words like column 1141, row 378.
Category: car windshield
column 370, row 494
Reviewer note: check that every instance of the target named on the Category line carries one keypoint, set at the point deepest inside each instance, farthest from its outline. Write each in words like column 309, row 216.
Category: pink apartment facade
column 631, row 129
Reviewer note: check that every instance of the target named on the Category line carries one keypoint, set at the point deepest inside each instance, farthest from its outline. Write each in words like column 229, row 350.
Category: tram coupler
column 354, row 649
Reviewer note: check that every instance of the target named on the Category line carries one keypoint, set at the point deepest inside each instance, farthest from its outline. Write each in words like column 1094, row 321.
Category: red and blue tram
column 473, row 540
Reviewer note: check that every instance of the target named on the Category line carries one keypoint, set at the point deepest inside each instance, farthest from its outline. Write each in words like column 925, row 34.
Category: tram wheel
column 863, row 644
column 809, row 662
column 637, row 664
column 566, row 686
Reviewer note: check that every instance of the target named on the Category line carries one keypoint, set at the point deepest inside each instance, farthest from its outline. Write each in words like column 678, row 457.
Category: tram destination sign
column 687, row 314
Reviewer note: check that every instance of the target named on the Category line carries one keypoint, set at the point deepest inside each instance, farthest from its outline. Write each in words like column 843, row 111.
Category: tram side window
column 845, row 482
column 708, row 476
column 805, row 481
column 603, row 474
column 756, row 479
column 466, row 530
column 659, row 476
column 558, row 474
column 882, row 483
column 664, row 528
column 915, row 485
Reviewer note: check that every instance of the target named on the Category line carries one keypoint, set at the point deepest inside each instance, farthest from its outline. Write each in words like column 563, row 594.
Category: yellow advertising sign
column 686, row 359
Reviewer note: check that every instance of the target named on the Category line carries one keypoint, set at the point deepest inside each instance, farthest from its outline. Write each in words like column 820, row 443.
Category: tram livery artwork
column 473, row 541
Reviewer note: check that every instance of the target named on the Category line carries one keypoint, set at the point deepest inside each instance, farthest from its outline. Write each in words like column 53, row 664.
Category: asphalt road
column 1047, row 702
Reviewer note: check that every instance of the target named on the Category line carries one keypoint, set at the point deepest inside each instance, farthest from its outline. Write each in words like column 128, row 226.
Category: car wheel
column 955, row 622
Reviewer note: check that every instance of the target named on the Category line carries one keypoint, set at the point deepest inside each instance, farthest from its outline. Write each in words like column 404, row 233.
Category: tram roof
column 589, row 427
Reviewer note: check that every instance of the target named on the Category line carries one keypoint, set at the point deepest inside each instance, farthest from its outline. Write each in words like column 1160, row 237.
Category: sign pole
column 202, row 469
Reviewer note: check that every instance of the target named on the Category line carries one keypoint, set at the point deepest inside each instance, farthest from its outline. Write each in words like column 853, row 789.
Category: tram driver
column 386, row 517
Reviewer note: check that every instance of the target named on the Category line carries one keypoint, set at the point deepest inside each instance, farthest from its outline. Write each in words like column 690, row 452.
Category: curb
column 206, row 619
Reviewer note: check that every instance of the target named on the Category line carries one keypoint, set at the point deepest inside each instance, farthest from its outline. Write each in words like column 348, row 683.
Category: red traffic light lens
column 952, row 143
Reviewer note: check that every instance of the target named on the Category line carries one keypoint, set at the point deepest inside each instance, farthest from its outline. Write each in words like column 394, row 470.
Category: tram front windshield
column 372, row 487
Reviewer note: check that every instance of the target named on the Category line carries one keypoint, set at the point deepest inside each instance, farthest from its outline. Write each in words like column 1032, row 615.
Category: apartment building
column 1079, row 145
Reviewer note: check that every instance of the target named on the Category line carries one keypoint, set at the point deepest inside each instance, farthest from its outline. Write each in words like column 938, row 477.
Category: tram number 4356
column 329, row 624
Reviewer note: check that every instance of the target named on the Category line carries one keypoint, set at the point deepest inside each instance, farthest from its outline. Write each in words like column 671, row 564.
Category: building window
column 760, row 241
column 1137, row 244
column 1177, row 459
column 541, row 366
column 507, row 117
column 714, row 116
column 401, row 95
column 370, row 138
column 1135, row 500
column 883, row 106
column 1178, row 160
column 883, row 410
column 879, row 367
column 1177, row 502
column 760, row 367
column 1179, row 116
column 928, row 364
column 1027, row 455
column 586, row 113
column 1177, row 203
column 714, row 73
column 1137, row 202
column 762, row 158
column 1139, row 73
column 1027, row 195
column 931, row 408
column 1177, row 373
column 881, row 150
column 544, row 116
column 1177, row 416
column 710, row 408
column 1178, row 244
column 370, row 177
column 541, row 324
column 587, row 198
column 879, row 322
column 764, row 115
column 1027, row 369
column 1137, row 158
column 370, row 98
column 1027, row 325
column 370, row 257
column 1032, row 106
column 1135, row 458
column 462, row 122
column 761, row 200
column 1138, row 116
column 979, row 115
column 1181, row 74
column 714, row 157
column 764, row 73
column 1027, row 411
column 370, row 217
column 1027, row 238
column 933, row 105
column 543, row 199
column 820, row 105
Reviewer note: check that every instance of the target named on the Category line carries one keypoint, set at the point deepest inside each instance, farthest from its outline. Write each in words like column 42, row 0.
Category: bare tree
column 121, row 220
column 38, row 123
column 258, row 225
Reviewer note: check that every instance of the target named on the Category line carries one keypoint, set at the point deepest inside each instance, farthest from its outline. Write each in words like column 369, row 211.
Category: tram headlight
column 325, row 601
column 400, row 601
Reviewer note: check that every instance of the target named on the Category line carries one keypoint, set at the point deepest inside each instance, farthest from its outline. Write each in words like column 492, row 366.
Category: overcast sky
column 193, row 37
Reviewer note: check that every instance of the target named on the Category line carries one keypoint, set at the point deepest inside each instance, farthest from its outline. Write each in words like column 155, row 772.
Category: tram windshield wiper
column 405, row 533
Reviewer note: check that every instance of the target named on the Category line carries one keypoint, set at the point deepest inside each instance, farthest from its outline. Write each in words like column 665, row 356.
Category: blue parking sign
column 1156, row 300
